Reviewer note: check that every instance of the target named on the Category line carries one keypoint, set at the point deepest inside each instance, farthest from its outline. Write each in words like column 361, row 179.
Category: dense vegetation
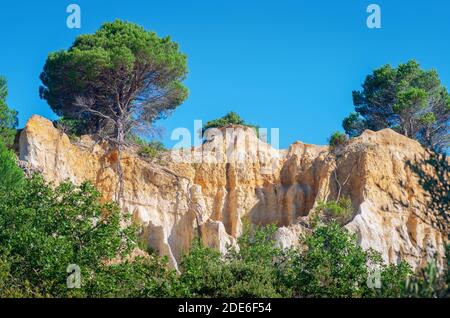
column 44, row 230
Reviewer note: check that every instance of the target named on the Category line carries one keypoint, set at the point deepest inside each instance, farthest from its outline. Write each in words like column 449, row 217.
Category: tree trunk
column 120, row 139
column 411, row 127
column 405, row 129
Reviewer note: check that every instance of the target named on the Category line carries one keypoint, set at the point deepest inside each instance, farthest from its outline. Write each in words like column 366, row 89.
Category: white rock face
column 210, row 190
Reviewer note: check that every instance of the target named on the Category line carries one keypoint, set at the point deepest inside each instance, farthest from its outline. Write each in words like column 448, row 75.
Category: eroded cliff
column 210, row 190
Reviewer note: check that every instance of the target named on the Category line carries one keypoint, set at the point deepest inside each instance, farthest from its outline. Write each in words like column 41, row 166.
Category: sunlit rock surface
column 212, row 190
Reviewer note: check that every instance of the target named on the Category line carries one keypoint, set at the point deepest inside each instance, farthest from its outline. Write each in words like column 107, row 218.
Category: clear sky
column 287, row 64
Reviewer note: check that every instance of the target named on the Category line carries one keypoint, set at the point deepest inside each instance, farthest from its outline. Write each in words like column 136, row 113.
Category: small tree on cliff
column 118, row 80
column 231, row 118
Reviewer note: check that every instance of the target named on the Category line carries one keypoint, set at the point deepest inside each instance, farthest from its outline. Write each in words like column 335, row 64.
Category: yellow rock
column 220, row 184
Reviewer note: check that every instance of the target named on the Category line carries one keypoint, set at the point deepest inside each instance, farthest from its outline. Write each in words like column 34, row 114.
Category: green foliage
column 83, row 82
column 334, row 265
column 203, row 272
column 428, row 119
column 43, row 230
column 11, row 177
column 6, row 280
column 152, row 149
column 411, row 100
column 354, row 125
column 331, row 264
column 231, row 118
column 8, row 117
column 406, row 98
column 260, row 266
column 70, row 127
column 337, row 139
column 340, row 211
column 427, row 284
column 141, row 277
column 394, row 280
column 148, row 149
column 256, row 270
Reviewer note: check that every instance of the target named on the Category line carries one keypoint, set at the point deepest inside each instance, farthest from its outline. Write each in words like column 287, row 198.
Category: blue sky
column 288, row 64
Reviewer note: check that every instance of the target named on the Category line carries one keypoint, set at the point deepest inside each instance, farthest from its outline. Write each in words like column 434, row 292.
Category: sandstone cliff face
column 210, row 190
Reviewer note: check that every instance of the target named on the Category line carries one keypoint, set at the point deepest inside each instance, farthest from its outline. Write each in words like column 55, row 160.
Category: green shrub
column 426, row 284
column 231, row 118
column 152, row 149
column 334, row 265
column 394, row 280
column 334, row 211
column 141, row 277
column 6, row 279
column 204, row 273
column 71, row 127
column 260, row 267
column 11, row 176
column 8, row 117
column 337, row 139
column 46, row 229
column 253, row 271
column 147, row 149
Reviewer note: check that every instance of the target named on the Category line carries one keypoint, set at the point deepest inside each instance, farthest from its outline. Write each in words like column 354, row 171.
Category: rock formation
column 210, row 190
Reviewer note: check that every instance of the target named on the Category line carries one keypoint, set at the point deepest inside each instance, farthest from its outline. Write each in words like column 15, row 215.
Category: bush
column 253, row 271
column 426, row 284
column 259, row 267
column 334, row 265
column 147, row 149
column 340, row 211
column 337, row 139
column 231, row 118
column 140, row 277
column 46, row 229
column 71, row 127
column 203, row 273
column 11, row 176
column 394, row 280
column 152, row 149
column 8, row 117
